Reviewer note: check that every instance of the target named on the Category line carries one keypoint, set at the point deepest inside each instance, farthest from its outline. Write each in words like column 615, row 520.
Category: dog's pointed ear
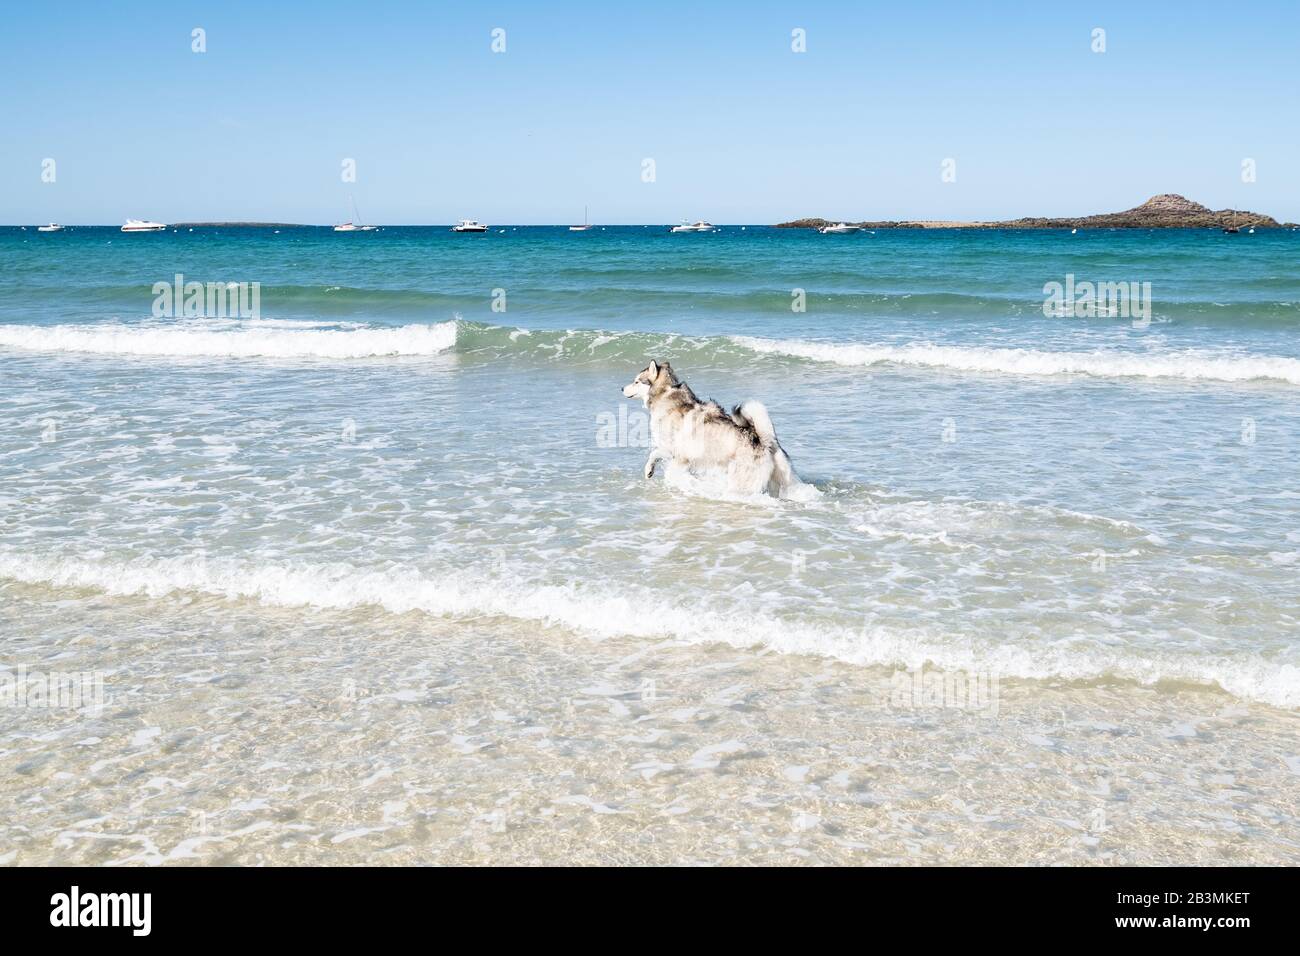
column 653, row 369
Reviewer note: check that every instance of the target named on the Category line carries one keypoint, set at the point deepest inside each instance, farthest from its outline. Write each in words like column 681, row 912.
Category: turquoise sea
column 374, row 569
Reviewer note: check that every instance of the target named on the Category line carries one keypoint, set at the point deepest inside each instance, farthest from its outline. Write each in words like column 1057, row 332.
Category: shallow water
column 382, row 530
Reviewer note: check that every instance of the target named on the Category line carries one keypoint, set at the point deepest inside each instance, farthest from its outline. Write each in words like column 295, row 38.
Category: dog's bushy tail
column 756, row 414
column 783, row 476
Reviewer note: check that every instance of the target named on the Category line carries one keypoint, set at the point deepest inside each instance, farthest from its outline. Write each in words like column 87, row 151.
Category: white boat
column 52, row 227
column 585, row 225
column 143, row 225
column 843, row 229
column 697, row 226
column 469, row 225
column 354, row 225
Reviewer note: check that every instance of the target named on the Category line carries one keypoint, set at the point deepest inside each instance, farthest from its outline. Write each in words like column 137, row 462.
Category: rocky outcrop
column 805, row 224
column 1166, row 211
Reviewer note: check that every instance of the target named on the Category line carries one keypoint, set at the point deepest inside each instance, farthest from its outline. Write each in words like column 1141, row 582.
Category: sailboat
column 585, row 225
column 355, row 224
column 1233, row 227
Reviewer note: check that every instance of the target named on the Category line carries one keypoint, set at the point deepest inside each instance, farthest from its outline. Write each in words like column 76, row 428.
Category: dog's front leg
column 655, row 455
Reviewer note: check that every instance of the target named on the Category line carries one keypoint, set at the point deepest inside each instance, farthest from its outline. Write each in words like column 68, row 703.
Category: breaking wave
column 1187, row 364
column 234, row 339
column 638, row 612
column 270, row 338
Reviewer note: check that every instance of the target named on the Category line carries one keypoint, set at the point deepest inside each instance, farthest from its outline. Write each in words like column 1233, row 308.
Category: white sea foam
column 712, row 484
column 1188, row 365
column 639, row 612
column 247, row 339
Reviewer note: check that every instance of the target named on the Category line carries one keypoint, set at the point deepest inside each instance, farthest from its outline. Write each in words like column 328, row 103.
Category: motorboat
column 697, row 226
column 841, row 229
column 143, row 225
column 52, row 227
column 469, row 225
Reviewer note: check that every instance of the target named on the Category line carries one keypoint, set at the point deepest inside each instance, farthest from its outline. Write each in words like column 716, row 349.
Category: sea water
column 373, row 574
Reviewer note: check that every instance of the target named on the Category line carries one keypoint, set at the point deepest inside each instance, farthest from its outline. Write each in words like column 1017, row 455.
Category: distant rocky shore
column 1166, row 211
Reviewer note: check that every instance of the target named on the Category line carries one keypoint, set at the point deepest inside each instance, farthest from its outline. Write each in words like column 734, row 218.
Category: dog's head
column 641, row 386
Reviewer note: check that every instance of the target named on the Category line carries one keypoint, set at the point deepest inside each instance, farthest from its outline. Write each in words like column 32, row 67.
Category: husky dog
column 700, row 434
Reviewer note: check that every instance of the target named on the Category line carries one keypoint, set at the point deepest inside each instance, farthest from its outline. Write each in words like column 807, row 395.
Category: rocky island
column 1166, row 211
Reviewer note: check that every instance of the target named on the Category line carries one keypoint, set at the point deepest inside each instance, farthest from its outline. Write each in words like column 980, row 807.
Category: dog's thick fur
column 703, row 435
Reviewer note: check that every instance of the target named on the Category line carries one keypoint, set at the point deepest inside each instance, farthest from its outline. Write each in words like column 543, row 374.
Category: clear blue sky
column 741, row 128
